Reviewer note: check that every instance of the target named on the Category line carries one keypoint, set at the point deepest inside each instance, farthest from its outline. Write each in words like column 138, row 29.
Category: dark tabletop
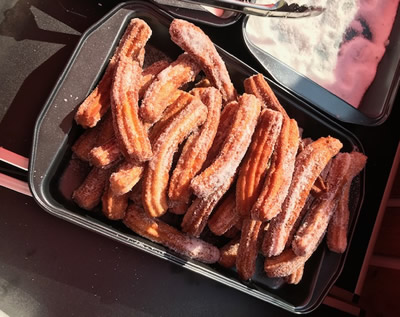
column 49, row 267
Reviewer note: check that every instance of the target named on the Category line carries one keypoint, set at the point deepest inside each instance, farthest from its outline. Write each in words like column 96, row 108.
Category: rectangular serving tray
column 52, row 178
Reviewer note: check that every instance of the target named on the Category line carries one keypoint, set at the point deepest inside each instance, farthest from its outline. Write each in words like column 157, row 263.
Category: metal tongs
column 280, row 9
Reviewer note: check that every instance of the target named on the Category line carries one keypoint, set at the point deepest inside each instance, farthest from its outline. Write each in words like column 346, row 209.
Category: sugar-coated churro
column 149, row 74
column 195, row 152
column 279, row 176
column 159, row 92
column 156, row 230
column 195, row 42
column 248, row 248
column 88, row 194
column 284, row 264
column 93, row 137
column 258, row 86
column 129, row 130
column 131, row 46
column 156, row 175
column 338, row 225
column 225, row 216
column 309, row 164
column 114, row 206
column 296, row 276
column 197, row 215
column 229, row 253
column 233, row 149
column 106, row 154
column 255, row 164
column 316, row 220
column 125, row 176
column 224, row 127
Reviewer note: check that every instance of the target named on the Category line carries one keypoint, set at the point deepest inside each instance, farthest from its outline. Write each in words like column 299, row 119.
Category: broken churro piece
column 125, row 177
column 88, row 194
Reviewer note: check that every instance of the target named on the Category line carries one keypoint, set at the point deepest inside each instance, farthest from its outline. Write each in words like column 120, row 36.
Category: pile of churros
column 176, row 137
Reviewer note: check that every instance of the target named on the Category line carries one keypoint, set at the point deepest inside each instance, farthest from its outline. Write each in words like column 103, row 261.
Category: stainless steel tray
column 377, row 102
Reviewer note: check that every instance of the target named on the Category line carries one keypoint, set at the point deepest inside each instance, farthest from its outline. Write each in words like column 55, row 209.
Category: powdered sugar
column 359, row 57
column 316, row 47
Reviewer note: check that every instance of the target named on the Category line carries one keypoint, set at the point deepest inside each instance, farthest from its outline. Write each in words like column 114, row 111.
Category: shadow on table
column 30, row 23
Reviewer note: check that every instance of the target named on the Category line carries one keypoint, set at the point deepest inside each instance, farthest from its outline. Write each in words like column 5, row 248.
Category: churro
column 309, row 164
column 125, row 176
column 178, row 208
column 88, row 194
column 284, row 264
column 93, row 137
column 179, row 100
column 255, row 164
column 195, row 153
column 157, row 231
column 296, row 276
column 130, row 133
column 225, row 216
column 131, row 46
column 85, row 143
column 149, row 74
column 156, row 176
column 338, row 225
column 248, row 248
column 196, row 217
column 195, row 42
column 316, row 220
column 258, row 86
column 113, row 206
column 158, row 95
column 104, row 155
column 223, row 130
column 279, row 176
column 229, row 253
column 233, row 149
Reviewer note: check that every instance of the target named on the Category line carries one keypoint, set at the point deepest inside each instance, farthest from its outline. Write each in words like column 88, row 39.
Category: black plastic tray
column 52, row 178
column 377, row 103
